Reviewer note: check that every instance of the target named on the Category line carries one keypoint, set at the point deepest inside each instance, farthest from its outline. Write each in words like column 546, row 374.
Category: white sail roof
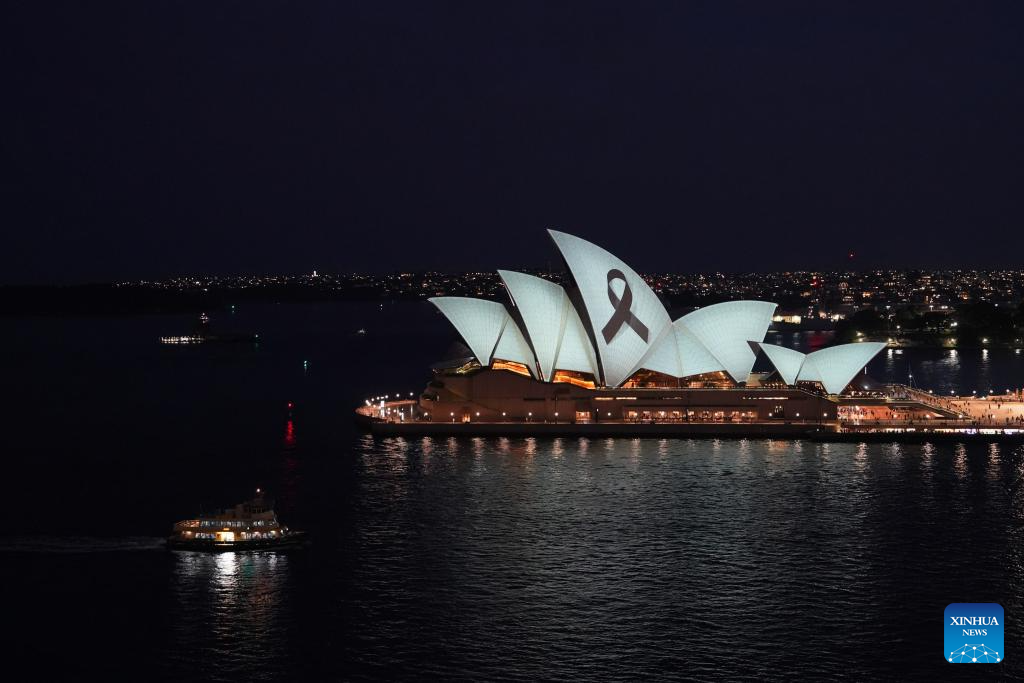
column 555, row 330
column 576, row 352
column 724, row 330
column 787, row 361
column 663, row 355
column 512, row 346
column 836, row 366
column 625, row 316
column 487, row 328
column 680, row 354
column 479, row 322
column 695, row 357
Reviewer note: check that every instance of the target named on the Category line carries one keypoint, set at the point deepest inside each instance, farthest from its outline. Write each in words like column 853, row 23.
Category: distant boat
column 361, row 330
column 201, row 335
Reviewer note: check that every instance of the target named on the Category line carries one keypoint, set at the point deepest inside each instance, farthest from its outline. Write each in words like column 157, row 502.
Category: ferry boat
column 251, row 525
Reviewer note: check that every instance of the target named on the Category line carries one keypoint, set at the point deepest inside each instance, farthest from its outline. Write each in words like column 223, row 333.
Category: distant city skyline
column 939, row 289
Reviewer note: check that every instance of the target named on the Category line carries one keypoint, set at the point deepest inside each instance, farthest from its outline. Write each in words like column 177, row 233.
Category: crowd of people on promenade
column 1005, row 409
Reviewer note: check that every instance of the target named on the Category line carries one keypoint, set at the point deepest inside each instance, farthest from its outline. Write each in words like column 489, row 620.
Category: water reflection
column 825, row 451
column 994, row 463
column 942, row 373
column 230, row 605
column 984, row 373
column 634, row 450
column 744, row 452
column 960, row 461
column 291, row 475
column 289, row 435
column 860, row 458
column 890, row 364
column 927, row 454
column 391, row 453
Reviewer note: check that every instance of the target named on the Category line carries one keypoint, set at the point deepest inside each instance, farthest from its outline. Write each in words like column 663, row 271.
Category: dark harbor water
column 467, row 558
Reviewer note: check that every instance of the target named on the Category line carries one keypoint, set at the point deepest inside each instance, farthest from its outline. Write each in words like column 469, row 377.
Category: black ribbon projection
column 622, row 315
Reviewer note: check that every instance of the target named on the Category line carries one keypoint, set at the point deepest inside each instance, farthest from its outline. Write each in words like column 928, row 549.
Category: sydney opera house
column 605, row 351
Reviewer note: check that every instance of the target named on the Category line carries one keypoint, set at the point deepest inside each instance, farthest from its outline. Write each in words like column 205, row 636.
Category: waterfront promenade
column 993, row 416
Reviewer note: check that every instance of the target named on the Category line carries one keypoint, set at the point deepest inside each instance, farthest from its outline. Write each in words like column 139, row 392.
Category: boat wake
column 79, row 544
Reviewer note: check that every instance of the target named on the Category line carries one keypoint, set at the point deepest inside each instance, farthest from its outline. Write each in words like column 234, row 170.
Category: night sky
column 145, row 139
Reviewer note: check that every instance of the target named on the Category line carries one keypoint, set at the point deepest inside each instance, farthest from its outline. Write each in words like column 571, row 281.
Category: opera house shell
column 610, row 330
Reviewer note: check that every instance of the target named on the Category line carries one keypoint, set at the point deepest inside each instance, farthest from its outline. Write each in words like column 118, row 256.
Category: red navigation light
column 290, row 405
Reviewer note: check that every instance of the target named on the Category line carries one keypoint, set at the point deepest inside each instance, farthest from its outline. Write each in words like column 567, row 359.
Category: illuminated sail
column 555, row 330
column 726, row 329
column 836, row 366
column 488, row 330
column 787, row 361
column 624, row 315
